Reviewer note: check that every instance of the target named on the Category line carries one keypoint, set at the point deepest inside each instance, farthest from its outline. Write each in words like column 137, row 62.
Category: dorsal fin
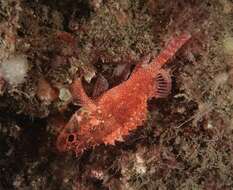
column 163, row 84
column 79, row 94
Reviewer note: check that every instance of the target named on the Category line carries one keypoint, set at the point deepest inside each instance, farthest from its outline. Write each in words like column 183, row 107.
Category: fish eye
column 71, row 138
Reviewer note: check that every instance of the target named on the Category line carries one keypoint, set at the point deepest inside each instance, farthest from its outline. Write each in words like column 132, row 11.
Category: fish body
column 121, row 109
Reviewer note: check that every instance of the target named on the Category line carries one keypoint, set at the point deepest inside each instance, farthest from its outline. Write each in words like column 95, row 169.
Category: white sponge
column 14, row 69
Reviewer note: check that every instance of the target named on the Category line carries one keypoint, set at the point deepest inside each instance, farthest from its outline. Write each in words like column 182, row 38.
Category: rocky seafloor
column 187, row 140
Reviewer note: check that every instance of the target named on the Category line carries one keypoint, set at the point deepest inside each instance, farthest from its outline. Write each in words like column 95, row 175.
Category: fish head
column 79, row 133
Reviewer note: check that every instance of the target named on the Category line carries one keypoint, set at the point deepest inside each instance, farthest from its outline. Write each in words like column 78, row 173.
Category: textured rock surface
column 186, row 142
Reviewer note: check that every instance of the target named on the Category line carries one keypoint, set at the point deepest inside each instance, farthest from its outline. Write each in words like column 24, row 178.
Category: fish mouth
column 62, row 143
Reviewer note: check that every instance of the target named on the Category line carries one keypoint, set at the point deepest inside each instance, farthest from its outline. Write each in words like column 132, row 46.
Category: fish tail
column 170, row 50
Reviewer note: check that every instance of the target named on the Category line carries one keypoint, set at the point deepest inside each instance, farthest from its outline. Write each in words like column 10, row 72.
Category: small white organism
column 14, row 69
column 140, row 165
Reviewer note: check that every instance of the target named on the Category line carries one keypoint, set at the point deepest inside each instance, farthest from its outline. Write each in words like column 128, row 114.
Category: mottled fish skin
column 120, row 109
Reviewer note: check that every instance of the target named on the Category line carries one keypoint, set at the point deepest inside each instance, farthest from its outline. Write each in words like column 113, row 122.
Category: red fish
column 121, row 109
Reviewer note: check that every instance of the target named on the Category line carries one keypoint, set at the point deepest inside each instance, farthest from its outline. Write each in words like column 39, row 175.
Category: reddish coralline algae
column 121, row 109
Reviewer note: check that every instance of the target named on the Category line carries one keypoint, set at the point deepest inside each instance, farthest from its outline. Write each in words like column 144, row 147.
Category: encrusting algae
column 121, row 109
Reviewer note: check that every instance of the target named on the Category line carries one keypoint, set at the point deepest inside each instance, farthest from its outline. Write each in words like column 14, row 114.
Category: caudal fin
column 170, row 50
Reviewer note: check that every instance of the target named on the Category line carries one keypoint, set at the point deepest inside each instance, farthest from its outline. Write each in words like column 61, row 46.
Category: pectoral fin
column 163, row 84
